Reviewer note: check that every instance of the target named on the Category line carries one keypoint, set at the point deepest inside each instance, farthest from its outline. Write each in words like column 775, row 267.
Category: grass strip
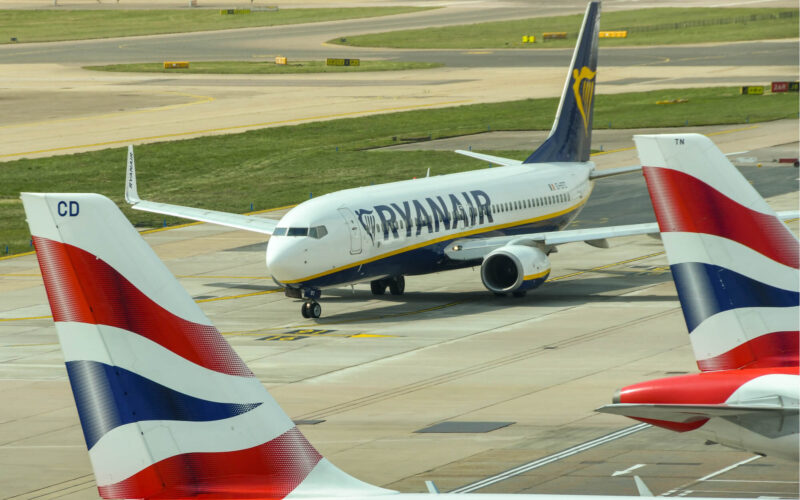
column 54, row 25
column 659, row 26
column 280, row 166
column 265, row 67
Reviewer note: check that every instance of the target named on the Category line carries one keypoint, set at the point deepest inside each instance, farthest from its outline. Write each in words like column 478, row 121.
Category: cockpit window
column 279, row 231
column 297, row 231
column 318, row 232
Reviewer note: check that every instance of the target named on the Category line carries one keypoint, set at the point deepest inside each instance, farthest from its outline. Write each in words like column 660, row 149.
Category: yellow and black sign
column 614, row 34
column 176, row 64
column 753, row 90
column 281, row 60
column 231, row 12
column 342, row 62
column 554, row 35
column 528, row 39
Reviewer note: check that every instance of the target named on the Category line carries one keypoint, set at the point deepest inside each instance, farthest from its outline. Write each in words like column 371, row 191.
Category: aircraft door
column 355, row 232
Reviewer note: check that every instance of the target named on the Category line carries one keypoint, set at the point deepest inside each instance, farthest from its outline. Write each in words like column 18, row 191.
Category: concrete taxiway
column 365, row 378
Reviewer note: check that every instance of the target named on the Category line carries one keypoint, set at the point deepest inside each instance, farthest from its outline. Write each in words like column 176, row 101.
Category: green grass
column 52, row 25
column 265, row 67
column 280, row 166
column 659, row 26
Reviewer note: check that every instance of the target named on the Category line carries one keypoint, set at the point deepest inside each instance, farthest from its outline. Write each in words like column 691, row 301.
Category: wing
column 692, row 413
column 238, row 221
column 476, row 248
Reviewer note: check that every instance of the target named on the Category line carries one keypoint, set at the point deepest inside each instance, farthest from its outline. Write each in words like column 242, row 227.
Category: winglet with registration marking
column 131, row 194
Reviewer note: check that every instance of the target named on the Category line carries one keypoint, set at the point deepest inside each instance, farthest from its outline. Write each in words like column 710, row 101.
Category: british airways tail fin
column 167, row 408
column 735, row 264
column 570, row 138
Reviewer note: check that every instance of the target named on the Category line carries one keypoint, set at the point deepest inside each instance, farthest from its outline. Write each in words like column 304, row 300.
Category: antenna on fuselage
column 428, row 173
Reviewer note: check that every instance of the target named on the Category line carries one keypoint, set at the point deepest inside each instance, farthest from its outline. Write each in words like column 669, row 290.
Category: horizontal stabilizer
column 599, row 174
column 692, row 413
column 497, row 160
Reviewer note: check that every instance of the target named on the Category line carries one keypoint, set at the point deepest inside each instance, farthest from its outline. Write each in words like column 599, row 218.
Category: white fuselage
column 402, row 227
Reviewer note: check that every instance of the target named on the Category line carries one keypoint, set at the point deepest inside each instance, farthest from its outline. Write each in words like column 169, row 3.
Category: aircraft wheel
column 304, row 309
column 315, row 310
column 378, row 287
column 397, row 285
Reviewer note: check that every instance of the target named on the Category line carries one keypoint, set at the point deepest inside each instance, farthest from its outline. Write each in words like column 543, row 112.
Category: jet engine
column 514, row 268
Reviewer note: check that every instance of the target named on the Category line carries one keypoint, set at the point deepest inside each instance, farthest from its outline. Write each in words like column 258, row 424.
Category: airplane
column 735, row 267
column 167, row 407
column 499, row 218
column 506, row 220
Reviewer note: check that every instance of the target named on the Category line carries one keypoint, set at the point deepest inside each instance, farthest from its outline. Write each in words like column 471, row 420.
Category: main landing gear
column 396, row 284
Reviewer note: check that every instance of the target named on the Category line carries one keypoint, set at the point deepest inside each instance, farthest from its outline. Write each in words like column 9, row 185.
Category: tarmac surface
column 365, row 378
column 371, row 372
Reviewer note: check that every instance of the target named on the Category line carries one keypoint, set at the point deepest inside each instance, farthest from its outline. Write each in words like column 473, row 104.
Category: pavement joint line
column 535, row 464
column 240, row 296
column 79, row 478
column 238, row 127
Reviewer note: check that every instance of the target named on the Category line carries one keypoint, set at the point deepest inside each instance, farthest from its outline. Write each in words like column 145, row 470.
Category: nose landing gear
column 311, row 309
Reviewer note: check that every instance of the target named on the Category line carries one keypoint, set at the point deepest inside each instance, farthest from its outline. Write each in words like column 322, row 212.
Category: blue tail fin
column 570, row 138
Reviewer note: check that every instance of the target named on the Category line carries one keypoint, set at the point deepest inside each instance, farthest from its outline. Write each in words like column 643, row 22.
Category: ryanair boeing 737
column 505, row 220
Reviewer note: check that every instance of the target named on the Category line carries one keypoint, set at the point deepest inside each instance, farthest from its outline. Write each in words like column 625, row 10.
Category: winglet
column 131, row 194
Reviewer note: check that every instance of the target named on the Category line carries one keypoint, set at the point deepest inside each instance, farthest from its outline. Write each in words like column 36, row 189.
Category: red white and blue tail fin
column 167, row 407
column 735, row 264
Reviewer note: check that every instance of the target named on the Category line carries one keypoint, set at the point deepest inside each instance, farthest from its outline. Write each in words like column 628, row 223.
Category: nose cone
column 285, row 259
column 276, row 257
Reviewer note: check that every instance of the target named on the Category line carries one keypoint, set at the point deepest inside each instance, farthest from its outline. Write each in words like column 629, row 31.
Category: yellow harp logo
column 583, row 88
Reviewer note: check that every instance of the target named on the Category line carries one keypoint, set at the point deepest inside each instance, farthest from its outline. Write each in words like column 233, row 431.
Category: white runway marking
column 551, row 458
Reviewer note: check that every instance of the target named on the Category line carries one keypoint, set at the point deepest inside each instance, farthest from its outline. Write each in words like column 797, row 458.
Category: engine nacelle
column 514, row 268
